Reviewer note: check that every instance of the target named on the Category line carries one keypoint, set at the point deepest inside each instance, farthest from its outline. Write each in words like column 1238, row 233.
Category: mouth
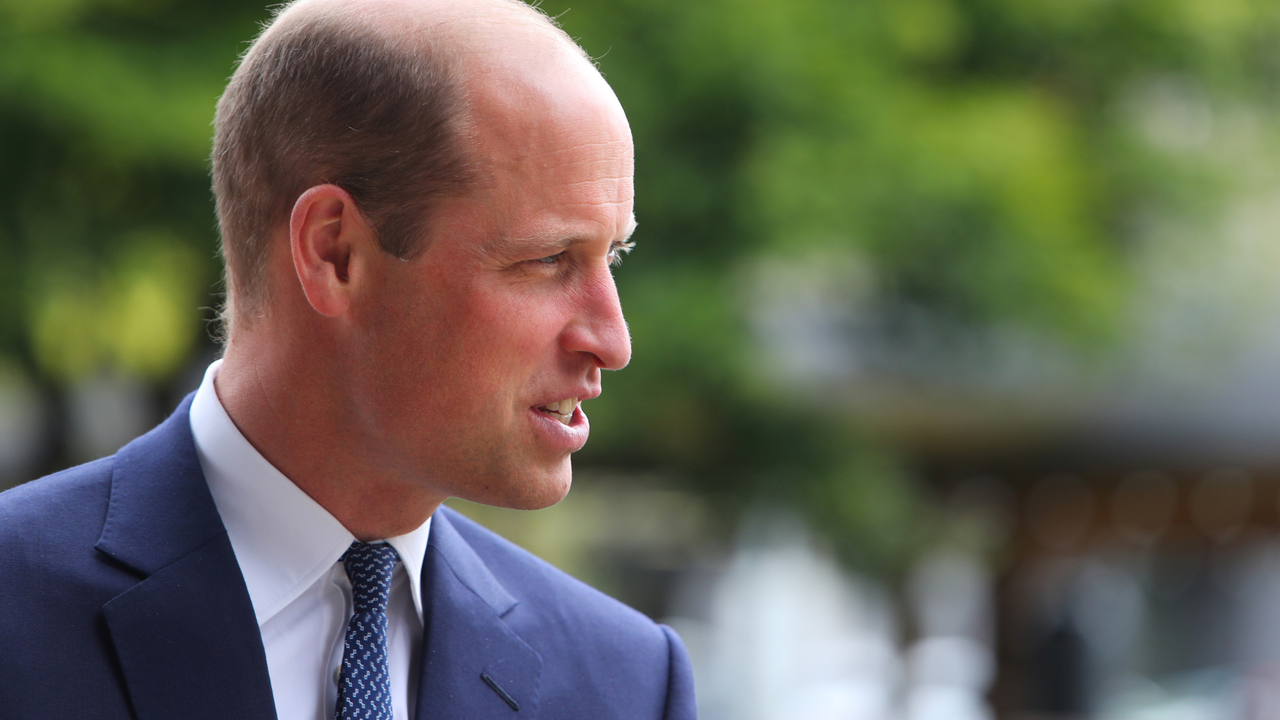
column 562, row 410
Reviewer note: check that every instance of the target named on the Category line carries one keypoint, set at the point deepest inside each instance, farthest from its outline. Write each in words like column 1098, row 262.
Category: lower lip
column 564, row 438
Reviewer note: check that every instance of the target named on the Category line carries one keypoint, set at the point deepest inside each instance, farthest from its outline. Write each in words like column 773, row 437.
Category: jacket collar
column 185, row 635
column 474, row 665
column 160, row 508
column 466, row 566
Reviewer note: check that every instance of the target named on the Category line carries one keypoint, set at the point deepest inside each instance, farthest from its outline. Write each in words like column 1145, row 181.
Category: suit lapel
column 185, row 635
column 473, row 664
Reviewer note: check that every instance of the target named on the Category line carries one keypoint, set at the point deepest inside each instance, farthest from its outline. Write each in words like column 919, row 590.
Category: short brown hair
column 324, row 98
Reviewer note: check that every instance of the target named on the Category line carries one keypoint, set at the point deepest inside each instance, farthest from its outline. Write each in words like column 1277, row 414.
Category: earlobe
column 325, row 230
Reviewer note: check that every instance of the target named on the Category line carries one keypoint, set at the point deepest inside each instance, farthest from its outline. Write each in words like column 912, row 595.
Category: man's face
column 476, row 352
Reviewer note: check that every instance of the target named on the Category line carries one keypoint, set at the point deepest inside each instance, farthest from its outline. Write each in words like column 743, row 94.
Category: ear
column 327, row 232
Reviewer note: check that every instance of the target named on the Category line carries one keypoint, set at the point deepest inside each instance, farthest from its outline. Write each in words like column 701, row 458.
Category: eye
column 618, row 250
column 550, row 259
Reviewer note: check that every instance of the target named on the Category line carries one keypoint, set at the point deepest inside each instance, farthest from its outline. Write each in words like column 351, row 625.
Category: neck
column 293, row 413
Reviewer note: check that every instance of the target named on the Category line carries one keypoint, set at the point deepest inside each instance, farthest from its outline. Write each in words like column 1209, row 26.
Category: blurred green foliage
column 981, row 157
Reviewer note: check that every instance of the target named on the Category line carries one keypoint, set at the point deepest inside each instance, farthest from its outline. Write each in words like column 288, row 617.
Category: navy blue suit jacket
column 120, row 597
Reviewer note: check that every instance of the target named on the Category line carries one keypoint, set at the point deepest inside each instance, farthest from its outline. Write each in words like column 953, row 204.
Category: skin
column 381, row 386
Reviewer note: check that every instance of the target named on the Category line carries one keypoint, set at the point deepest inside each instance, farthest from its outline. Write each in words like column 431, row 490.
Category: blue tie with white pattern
column 364, row 688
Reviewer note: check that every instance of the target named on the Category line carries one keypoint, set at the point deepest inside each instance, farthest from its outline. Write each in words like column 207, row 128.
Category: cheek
column 476, row 352
column 477, row 335
column 530, row 329
column 520, row 323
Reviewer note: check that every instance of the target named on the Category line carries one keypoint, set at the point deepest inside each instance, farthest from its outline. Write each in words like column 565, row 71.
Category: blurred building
column 1129, row 502
column 1142, row 576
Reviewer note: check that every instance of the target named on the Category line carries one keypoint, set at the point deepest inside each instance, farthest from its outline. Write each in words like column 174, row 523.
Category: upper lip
column 580, row 393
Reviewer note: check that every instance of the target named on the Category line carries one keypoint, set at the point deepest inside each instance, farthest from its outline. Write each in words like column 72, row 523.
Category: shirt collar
column 283, row 540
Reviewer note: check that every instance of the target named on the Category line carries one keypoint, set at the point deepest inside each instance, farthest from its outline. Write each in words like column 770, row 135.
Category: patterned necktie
column 364, row 688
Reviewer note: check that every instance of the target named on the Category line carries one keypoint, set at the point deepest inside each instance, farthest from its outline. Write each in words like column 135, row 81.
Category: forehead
column 534, row 105
column 551, row 143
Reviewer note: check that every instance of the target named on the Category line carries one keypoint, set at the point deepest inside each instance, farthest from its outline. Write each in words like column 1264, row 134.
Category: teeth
column 562, row 410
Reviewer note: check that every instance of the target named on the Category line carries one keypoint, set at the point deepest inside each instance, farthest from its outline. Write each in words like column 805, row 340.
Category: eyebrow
column 560, row 241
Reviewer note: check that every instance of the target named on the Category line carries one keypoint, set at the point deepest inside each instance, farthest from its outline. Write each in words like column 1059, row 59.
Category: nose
column 598, row 328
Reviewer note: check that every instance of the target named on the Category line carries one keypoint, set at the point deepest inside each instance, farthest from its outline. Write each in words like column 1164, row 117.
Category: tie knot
column 369, row 567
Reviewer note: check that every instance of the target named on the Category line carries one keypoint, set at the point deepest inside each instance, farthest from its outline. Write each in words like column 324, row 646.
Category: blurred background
column 956, row 377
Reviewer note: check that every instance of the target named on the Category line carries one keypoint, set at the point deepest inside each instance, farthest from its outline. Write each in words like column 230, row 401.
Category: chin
column 529, row 489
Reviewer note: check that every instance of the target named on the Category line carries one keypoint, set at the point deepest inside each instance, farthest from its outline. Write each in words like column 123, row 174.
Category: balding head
column 374, row 97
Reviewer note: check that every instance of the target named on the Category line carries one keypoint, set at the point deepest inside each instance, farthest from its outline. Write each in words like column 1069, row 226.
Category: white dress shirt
column 289, row 548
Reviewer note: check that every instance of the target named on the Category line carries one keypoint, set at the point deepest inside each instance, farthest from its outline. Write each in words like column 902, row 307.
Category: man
column 419, row 202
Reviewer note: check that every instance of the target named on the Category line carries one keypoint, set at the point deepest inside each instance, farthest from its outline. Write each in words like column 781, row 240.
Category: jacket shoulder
column 58, row 509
